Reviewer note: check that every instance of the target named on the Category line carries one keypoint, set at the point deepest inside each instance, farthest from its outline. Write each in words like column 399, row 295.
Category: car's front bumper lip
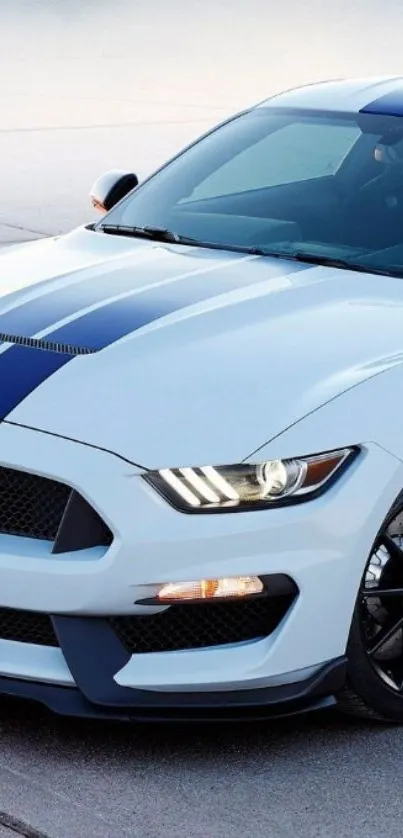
column 314, row 693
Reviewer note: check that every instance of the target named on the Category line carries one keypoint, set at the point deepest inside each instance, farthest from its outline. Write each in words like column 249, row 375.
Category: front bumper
column 94, row 693
column 322, row 545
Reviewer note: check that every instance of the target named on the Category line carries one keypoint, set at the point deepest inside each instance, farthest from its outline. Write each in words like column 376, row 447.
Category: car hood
column 171, row 356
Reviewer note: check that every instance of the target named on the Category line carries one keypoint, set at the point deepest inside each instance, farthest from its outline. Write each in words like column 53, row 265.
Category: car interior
column 357, row 210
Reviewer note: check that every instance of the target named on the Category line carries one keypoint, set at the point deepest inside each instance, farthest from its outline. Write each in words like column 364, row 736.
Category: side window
column 296, row 152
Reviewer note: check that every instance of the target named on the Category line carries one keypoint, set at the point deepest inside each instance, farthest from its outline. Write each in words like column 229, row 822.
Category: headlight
column 249, row 486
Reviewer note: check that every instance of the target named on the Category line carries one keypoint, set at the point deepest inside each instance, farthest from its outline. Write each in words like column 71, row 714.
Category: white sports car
column 201, row 445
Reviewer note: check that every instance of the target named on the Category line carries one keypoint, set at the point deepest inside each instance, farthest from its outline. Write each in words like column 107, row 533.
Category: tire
column 374, row 686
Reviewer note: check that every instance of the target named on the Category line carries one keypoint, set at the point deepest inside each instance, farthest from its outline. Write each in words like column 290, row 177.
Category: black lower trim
column 266, row 703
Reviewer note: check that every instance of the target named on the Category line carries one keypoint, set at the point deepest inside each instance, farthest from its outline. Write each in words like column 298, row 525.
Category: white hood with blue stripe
column 170, row 355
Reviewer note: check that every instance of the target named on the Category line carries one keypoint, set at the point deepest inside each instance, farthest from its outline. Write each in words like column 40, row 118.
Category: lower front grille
column 204, row 624
column 27, row 627
column 178, row 627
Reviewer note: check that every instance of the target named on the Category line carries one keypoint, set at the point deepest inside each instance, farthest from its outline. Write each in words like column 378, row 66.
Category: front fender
column 370, row 412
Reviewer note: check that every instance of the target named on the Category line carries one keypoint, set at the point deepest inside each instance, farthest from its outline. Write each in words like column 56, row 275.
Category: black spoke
column 381, row 606
column 385, row 634
column 393, row 549
column 398, row 675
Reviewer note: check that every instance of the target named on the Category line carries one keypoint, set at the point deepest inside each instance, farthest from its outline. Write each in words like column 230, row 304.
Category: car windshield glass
column 286, row 182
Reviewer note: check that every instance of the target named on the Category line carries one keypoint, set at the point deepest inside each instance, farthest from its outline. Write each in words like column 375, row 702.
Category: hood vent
column 48, row 345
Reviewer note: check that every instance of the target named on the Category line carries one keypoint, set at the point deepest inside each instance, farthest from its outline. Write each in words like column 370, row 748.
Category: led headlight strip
column 249, row 486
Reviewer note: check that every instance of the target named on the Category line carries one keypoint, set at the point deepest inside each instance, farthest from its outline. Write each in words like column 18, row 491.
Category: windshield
column 285, row 181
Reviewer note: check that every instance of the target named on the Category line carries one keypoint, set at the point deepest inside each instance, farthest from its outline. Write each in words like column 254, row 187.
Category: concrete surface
column 91, row 85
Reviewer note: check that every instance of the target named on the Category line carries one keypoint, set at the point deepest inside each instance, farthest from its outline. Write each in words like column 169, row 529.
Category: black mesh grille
column 204, row 624
column 31, row 505
column 35, row 506
column 27, row 627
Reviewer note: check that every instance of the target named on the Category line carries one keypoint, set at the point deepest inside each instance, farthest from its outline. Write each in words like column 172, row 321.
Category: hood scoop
column 47, row 345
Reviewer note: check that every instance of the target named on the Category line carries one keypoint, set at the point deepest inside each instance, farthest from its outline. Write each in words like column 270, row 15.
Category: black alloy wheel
column 375, row 648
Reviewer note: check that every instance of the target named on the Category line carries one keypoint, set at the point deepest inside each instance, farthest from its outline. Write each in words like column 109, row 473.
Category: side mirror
column 110, row 188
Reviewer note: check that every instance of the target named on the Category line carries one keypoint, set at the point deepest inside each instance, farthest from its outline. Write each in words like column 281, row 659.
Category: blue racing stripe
column 23, row 369
column 389, row 105
column 43, row 311
column 101, row 327
column 39, row 313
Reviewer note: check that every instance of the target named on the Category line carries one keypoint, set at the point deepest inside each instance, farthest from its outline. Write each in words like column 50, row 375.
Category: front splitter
column 315, row 693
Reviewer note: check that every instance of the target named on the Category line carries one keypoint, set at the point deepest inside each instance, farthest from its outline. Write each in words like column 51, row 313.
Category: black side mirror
column 110, row 188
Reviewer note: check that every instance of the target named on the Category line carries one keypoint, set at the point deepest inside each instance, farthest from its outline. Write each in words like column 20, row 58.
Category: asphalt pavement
column 90, row 86
column 313, row 777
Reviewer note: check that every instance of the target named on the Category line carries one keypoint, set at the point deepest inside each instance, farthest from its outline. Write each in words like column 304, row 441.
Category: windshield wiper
column 159, row 234
column 154, row 233
column 333, row 262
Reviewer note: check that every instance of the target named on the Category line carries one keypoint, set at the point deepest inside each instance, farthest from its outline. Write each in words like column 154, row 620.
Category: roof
column 383, row 95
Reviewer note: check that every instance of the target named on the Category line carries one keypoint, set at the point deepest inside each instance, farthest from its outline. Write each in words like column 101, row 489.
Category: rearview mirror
column 110, row 188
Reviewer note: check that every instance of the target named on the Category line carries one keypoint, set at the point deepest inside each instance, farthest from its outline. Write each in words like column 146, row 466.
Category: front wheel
column 374, row 687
